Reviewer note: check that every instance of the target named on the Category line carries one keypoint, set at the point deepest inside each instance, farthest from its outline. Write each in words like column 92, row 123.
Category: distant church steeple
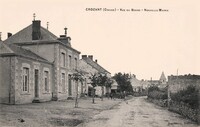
column 163, row 78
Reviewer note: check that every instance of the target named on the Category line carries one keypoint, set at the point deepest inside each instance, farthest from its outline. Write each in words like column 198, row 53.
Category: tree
column 77, row 77
column 109, row 83
column 94, row 82
column 123, row 81
column 104, row 81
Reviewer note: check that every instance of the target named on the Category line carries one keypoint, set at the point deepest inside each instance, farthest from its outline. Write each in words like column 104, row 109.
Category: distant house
column 114, row 86
column 36, row 66
column 136, row 84
column 91, row 67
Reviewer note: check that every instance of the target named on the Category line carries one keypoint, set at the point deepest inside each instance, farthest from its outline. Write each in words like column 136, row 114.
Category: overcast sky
column 142, row 43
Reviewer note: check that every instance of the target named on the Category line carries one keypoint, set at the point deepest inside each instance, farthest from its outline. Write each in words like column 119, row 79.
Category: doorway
column 69, row 85
column 36, row 83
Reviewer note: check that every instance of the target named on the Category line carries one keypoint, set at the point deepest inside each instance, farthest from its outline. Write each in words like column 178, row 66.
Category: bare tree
column 77, row 77
column 94, row 82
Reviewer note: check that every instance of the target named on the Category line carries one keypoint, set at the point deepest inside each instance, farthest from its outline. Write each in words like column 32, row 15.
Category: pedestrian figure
column 111, row 96
column 124, row 95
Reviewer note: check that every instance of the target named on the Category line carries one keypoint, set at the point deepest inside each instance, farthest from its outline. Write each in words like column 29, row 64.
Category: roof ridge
column 25, row 35
column 88, row 60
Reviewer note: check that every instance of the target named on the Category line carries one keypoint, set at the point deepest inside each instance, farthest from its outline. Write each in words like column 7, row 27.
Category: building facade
column 37, row 66
column 90, row 66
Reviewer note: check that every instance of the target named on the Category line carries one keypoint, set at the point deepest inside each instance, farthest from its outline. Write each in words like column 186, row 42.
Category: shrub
column 188, row 96
column 155, row 93
column 153, row 88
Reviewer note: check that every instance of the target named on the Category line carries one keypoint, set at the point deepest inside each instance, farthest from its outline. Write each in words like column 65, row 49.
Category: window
column 26, row 79
column 70, row 61
column 46, row 81
column 76, row 63
column 62, row 59
column 63, row 82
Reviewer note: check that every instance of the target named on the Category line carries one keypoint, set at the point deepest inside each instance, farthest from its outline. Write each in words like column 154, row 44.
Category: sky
column 143, row 43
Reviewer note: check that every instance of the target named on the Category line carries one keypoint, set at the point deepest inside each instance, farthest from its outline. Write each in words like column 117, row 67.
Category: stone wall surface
column 5, row 79
column 28, row 97
column 177, row 83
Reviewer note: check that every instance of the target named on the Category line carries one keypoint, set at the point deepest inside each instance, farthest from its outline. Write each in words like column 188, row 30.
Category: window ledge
column 46, row 93
column 25, row 93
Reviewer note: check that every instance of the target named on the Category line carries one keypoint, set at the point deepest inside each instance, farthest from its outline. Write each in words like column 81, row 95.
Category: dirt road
column 137, row 112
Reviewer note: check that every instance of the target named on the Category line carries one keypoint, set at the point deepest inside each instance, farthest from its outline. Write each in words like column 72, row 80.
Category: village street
column 136, row 112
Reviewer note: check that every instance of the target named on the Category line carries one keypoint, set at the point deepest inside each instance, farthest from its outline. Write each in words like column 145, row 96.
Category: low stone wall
column 185, row 110
column 162, row 103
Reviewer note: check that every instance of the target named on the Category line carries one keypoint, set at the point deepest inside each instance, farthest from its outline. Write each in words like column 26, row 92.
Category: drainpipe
column 9, row 94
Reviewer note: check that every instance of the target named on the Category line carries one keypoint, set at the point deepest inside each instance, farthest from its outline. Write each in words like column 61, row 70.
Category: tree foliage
column 77, row 77
column 100, row 79
column 123, row 81
column 104, row 80
column 156, row 93
column 188, row 96
column 94, row 82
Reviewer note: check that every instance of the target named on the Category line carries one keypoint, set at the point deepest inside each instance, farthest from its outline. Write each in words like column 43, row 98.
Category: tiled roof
column 4, row 49
column 95, row 65
column 12, row 49
column 25, row 35
column 135, row 82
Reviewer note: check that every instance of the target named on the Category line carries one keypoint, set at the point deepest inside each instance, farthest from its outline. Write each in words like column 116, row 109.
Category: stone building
column 36, row 66
column 114, row 86
column 136, row 84
column 181, row 82
column 90, row 66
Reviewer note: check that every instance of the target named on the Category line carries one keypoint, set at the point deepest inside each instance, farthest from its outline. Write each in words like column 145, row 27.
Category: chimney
column 36, row 33
column 65, row 39
column 65, row 31
column 9, row 34
column 96, row 60
column 91, row 57
column 84, row 56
